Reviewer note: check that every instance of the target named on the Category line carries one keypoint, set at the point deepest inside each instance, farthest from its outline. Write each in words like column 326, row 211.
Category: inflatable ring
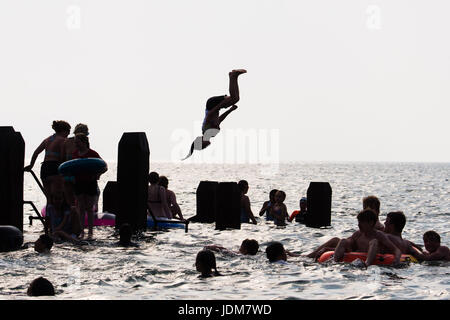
column 11, row 238
column 83, row 166
column 380, row 259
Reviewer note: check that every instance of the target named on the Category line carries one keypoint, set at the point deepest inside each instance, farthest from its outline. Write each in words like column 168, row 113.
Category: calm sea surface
column 163, row 266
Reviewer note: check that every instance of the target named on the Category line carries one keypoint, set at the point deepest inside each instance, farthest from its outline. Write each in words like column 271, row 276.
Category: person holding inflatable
column 54, row 156
column 86, row 186
column 68, row 149
column 367, row 239
column 370, row 202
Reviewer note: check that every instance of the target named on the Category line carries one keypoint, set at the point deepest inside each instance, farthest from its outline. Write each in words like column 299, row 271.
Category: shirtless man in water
column 393, row 227
column 434, row 250
column 367, row 239
column 212, row 121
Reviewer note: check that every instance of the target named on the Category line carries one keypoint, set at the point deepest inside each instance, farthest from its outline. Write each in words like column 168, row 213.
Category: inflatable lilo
column 380, row 259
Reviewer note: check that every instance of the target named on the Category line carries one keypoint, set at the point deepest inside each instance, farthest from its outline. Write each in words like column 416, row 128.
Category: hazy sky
column 327, row 80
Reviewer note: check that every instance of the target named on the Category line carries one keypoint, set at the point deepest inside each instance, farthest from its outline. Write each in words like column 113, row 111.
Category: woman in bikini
column 54, row 156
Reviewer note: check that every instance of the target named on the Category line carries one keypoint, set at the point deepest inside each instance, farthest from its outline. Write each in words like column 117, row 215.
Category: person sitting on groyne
column 157, row 197
column 68, row 149
column 171, row 199
column 86, row 185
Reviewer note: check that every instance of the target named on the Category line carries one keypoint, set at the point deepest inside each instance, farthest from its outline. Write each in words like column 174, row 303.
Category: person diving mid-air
column 212, row 121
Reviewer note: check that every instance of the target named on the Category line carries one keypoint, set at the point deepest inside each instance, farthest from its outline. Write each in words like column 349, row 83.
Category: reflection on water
column 162, row 267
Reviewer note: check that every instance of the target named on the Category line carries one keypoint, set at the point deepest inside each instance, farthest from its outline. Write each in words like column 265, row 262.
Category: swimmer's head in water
column 41, row 287
column 432, row 241
column 275, row 251
column 205, row 262
column 153, row 177
column 249, row 246
column 43, row 244
column 395, row 221
column 214, row 101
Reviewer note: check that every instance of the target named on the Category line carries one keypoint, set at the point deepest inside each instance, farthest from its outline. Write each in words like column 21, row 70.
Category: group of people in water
column 372, row 238
column 69, row 198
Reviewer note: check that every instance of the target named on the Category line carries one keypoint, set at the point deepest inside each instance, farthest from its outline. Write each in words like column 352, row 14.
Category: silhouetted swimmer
column 205, row 262
column 267, row 205
column 125, row 233
column 246, row 210
column 434, row 250
column 372, row 202
column 300, row 215
column 279, row 210
column 212, row 120
column 275, row 252
column 248, row 247
column 40, row 287
column 44, row 244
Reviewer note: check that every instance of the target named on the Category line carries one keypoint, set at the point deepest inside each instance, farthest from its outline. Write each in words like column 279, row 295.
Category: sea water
column 163, row 265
